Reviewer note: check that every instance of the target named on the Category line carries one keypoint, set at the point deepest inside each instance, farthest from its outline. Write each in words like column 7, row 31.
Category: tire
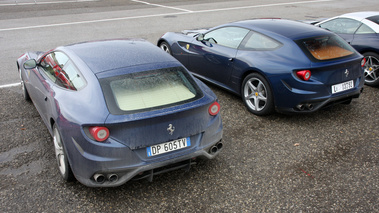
column 61, row 156
column 24, row 90
column 257, row 95
column 371, row 69
column 165, row 47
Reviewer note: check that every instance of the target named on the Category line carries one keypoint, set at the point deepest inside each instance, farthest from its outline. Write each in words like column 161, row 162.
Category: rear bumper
column 113, row 176
column 312, row 105
column 306, row 98
column 113, row 164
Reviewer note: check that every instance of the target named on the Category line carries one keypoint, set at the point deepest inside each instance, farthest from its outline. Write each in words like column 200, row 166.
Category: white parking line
column 92, row 21
column 46, row 2
column 10, row 85
column 158, row 15
column 264, row 5
column 148, row 16
column 159, row 5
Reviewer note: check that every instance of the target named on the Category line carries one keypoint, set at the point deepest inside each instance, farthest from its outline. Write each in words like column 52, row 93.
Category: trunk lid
column 154, row 127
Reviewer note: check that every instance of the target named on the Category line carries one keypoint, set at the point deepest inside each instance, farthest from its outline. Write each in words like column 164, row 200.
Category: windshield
column 325, row 47
column 143, row 91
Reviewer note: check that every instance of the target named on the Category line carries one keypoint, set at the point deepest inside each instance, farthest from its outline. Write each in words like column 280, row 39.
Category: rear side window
column 257, row 41
column 364, row 29
column 61, row 70
column 326, row 47
column 149, row 90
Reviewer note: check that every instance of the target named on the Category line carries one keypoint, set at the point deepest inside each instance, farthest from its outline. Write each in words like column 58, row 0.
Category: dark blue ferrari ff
column 120, row 110
column 272, row 63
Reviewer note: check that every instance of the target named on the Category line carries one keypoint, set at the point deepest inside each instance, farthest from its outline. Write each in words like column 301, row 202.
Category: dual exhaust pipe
column 101, row 178
column 215, row 148
column 303, row 107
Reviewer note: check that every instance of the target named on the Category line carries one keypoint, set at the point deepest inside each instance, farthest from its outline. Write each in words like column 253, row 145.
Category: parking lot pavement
column 321, row 162
column 327, row 161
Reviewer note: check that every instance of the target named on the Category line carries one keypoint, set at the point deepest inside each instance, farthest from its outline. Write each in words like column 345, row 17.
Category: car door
column 344, row 27
column 212, row 55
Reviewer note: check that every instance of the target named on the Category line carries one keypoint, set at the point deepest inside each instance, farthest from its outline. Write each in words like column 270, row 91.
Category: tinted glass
column 257, row 41
column 227, row 36
column 341, row 25
column 374, row 19
column 148, row 90
column 325, row 47
column 59, row 68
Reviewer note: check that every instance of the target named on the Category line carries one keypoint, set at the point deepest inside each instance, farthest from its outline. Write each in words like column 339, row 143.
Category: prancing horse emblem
column 170, row 129
column 347, row 73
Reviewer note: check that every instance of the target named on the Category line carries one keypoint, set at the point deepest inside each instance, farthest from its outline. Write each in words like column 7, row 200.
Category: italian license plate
column 168, row 146
column 342, row 86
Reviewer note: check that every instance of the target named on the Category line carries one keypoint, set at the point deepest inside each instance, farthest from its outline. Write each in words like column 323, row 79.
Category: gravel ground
column 321, row 162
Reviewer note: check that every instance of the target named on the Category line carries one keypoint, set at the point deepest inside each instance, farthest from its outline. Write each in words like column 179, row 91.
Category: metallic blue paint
column 228, row 67
column 124, row 152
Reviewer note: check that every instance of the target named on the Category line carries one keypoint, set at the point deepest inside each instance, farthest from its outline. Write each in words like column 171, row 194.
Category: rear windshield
column 374, row 19
column 154, row 89
column 326, row 47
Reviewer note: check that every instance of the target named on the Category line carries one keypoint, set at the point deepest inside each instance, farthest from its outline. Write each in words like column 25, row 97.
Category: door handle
column 231, row 59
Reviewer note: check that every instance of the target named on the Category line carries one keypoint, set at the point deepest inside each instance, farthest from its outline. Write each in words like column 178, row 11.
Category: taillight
column 363, row 62
column 304, row 74
column 99, row 133
column 214, row 108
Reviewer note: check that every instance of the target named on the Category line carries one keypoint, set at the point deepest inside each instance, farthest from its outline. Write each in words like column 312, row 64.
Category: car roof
column 287, row 28
column 108, row 55
column 360, row 15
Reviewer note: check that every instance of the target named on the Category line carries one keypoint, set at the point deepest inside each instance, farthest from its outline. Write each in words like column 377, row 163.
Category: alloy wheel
column 255, row 94
column 59, row 152
column 371, row 70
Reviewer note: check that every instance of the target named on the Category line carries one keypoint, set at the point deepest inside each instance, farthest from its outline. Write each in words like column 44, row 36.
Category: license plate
column 168, row 146
column 342, row 86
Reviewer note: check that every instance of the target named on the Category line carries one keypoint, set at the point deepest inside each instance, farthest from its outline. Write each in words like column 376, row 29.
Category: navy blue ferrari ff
column 120, row 109
column 272, row 63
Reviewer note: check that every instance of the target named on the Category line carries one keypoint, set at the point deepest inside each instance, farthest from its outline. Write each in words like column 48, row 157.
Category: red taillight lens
column 363, row 62
column 214, row 108
column 99, row 133
column 304, row 74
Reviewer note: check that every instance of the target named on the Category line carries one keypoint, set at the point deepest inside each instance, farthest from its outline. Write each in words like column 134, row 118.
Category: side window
column 227, row 36
column 342, row 25
column 257, row 41
column 364, row 29
column 60, row 69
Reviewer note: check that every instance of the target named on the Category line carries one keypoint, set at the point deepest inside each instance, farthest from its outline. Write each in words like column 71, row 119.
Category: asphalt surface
column 327, row 161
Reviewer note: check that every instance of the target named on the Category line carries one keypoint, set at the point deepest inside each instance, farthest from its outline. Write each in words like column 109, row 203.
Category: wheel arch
column 251, row 71
column 260, row 72
column 369, row 51
column 161, row 40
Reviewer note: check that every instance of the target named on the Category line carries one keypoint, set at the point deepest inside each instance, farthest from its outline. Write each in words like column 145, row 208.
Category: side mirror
column 200, row 37
column 30, row 64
